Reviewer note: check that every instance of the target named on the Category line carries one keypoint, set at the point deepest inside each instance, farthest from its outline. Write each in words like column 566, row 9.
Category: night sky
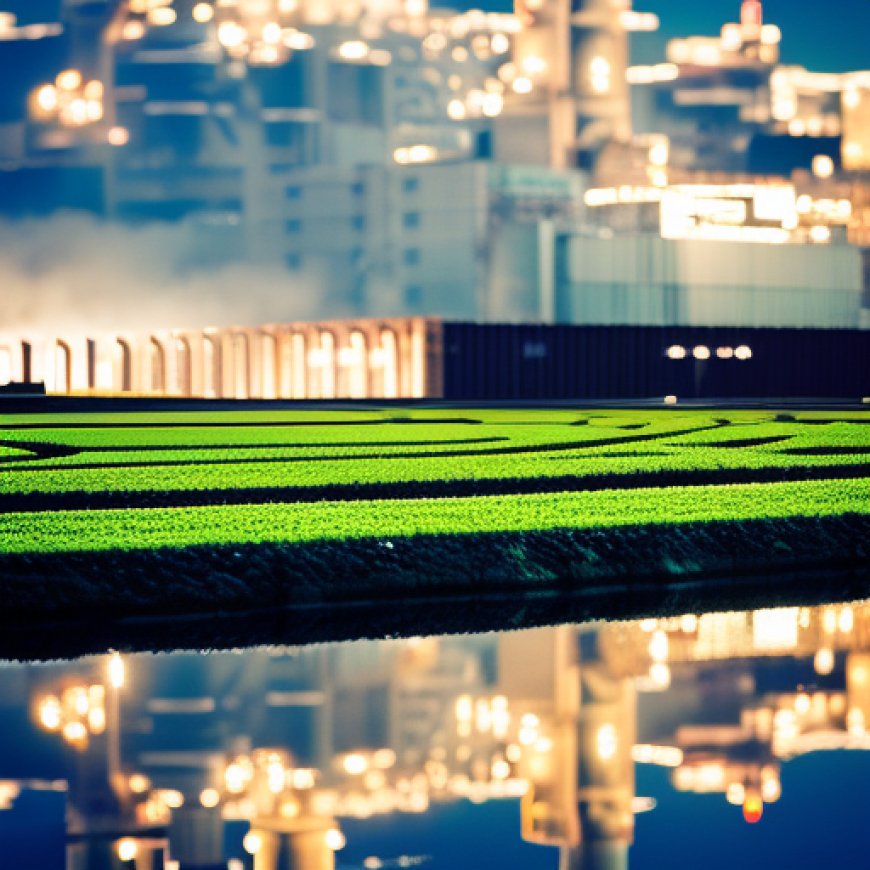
column 830, row 36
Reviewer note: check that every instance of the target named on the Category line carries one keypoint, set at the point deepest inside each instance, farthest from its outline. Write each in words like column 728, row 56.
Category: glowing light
column 384, row 759
column 492, row 105
column 846, row 620
column 231, row 35
column 69, row 80
column 116, row 671
column 820, row 234
column 823, row 166
column 771, row 790
column 162, row 16
column 172, row 798
column 118, row 136
column 74, row 732
column 49, row 713
column 660, row 675
column 770, row 34
column 753, row 808
column 209, row 797
column 658, row 154
column 676, row 351
column 46, row 98
column 139, row 783
column 499, row 43
column 456, row 110
column 670, row 400
column 599, row 72
column 203, row 13
column 355, row 764
column 606, row 742
column 133, row 30
column 724, row 352
column 335, row 839
column 701, row 351
column 127, row 849
column 252, row 842
column 299, row 41
column 658, row 646
column 743, row 352
column 522, row 85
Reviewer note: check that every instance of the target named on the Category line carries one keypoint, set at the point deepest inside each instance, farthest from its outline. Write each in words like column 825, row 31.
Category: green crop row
column 178, row 527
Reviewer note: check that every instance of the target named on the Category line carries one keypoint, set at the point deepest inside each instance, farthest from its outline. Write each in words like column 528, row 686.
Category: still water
column 695, row 741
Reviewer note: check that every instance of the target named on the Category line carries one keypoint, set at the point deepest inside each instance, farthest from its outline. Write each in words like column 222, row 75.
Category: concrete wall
column 644, row 279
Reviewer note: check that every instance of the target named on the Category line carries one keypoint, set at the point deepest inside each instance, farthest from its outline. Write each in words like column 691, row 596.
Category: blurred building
column 401, row 160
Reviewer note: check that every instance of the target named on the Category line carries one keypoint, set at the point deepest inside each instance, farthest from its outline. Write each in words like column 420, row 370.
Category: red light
column 751, row 13
column 753, row 808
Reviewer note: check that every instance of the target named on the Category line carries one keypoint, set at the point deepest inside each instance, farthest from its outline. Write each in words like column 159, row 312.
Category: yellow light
column 658, row 154
column 499, row 43
column 209, row 797
column 133, row 30
column 162, row 16
column 235, row 778
column 139, row 783
column 492, row 105
column 802, row 704
column 172, row 798
column 770, row 34
column 500, row 769
column 74, row 732
column 94, row 90
column 823, row 166
column 771, row 790
column 116, row 671
column 743, row 352
column 676, row 351
column 701, row 351
column 94, row 110
column 252, row 842
column 670, row 399
column 335, row 840
column 50, row 713
column 456, row 110
column 384, row 759
column 658, row 645
column 203, row 13
column 46, row 98
column 354, row 49
column 355, row 764
column 606, row 742
column 660, row 674
column 127, row 849
column 69, row 80
column 118, row 136
column 846, row 620
column 271, row 33
column 96, row 720
column 522, row 85
column 231, row 35
column 823, row 661
column 820, row 234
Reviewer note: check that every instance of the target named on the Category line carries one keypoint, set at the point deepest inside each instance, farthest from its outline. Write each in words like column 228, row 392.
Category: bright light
column 209, row 797
column 354, row 49
column 231, row 35
column 49, row 713
column 660, row 675
column 456, row 109
column 139, row 783
column 753, row 808
column 522, row 85
column 499, row 43
column 252, row 843
column 724, row 352
column 355, row 764
column 74, row 732
column 743, row 351
column 116, row 671
column 46, row 98
column 606, row 742
column 676, row 351
column 299, row 41
column 118, row 136
column 384, row 759
column 162, row 16
column 670, row 400
column 69, row 80
column 820, row 234
column 701, row 351
column 492, row 105
column 823, row 166
column 127, row 849
column 335, row 840
column 770, row 34
column 172, row 798
column 133, row 30
column 203, row 13
column 658, row 154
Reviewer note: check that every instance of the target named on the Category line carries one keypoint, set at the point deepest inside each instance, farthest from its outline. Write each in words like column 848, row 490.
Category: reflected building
column 258, row 757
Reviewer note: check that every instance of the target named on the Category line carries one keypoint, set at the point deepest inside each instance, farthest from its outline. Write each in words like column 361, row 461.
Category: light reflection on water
column 526, row 747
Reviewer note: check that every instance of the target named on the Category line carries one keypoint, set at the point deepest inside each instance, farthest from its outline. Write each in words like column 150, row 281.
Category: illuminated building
column 394, row 160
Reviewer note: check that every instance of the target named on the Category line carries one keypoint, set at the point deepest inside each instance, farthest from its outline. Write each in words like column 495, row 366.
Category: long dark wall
column 496, row 361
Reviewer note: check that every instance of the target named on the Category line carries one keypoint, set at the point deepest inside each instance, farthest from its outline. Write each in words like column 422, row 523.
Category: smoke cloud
column 73, row 272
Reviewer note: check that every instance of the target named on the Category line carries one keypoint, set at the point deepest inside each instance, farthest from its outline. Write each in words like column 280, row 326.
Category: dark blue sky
column 827, row 36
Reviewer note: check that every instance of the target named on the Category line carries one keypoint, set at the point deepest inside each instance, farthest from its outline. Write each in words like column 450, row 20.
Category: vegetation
column 175, row 512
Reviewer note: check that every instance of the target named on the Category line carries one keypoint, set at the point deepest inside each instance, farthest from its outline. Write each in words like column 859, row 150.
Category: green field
column 136, row 481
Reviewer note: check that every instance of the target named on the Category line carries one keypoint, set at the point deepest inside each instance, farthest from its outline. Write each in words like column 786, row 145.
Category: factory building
column 400, row 161
column 429, row 358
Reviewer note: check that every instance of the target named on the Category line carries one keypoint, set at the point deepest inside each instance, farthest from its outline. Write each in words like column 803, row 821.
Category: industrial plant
column 402, row 165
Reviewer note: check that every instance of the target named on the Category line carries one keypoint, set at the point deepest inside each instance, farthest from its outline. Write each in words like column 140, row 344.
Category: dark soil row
column 79, row 500
column 106, row 586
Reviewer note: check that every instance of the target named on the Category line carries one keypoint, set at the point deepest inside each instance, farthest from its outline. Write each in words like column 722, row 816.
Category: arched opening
column 5, row 365
column 211, row 367
column 268, row 366
column 355, row 363
column 241, row 368
column 285, row 367
column 326, row 363
column 62, row 359
column 183, row 367
column 389, row 358
column 157, row 357
column 122, row 367
column 300, row 366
